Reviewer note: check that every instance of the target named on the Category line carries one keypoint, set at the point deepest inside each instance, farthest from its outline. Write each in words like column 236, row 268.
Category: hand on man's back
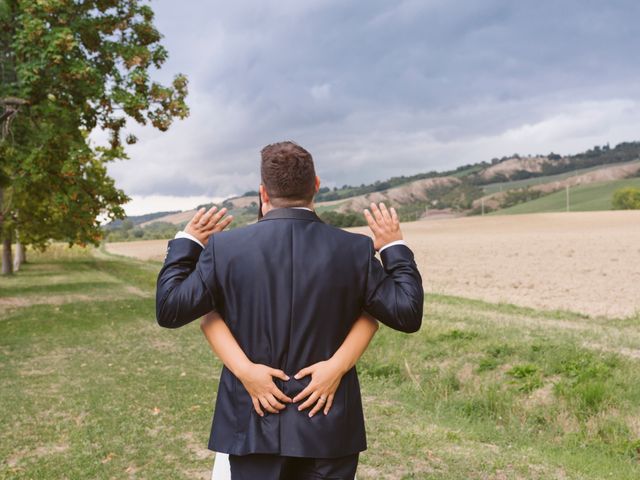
column 384, row 224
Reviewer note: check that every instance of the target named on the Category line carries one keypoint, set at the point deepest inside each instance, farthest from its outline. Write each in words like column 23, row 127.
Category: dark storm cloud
column 382, row 88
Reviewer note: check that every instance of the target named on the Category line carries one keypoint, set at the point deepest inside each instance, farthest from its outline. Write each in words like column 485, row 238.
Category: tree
column 73, row 67
column 626, row 199
column 342, row 220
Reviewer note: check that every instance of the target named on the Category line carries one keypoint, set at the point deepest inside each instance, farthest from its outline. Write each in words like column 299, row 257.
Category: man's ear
column 317, row 183
column 264, row 196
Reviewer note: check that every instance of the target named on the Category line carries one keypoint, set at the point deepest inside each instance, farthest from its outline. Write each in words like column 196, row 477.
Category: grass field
column 93, row 388
column 584, row 198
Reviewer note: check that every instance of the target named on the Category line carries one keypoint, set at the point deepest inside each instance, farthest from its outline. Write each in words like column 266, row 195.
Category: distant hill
column 582, row 198
column 498, row 184
column 139, row 219
column 497, row 170
column 538, row 187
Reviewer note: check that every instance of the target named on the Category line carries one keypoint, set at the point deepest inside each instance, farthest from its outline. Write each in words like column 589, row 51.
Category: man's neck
column 297, row 207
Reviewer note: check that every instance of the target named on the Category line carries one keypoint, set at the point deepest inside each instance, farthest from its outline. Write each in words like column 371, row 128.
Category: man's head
column 288, row 176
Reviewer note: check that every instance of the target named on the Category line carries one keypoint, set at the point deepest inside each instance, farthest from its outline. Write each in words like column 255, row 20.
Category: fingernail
column 296, row 376
column 299, row 409
column 287, row 377
column 310, row 415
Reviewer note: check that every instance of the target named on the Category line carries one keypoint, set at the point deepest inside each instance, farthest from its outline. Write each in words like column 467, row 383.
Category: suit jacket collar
column 293, row 213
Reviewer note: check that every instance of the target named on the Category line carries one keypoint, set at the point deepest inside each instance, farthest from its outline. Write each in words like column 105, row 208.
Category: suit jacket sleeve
column 185, row 284
column 394, row 293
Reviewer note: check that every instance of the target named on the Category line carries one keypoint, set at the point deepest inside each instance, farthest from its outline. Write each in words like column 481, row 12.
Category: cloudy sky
column 381, row 88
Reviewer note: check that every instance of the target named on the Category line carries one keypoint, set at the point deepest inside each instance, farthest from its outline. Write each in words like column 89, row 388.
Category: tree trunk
column 18, row 259
column 6, row 255
column 6, row 241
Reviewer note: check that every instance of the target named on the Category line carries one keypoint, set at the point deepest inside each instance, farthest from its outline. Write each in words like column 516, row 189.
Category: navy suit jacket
column 290, row 288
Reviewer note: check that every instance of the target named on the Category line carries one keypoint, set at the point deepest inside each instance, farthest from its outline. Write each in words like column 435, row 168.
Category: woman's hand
column 258, row 381
column 325, row 379
column 256, row 378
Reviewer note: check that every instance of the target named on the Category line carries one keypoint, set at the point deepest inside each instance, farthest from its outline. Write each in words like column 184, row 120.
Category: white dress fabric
column 221, row 467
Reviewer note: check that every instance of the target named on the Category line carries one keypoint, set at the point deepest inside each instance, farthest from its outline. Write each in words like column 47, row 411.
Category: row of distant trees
column 67, row 68
column 556, row 164
column 598, row 155
column 128, row 231
column 326, row 194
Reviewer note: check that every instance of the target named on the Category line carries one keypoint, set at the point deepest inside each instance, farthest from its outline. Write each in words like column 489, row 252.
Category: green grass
column 93, row 388
column 503, row 186
column 583, row 198
column 320, row 208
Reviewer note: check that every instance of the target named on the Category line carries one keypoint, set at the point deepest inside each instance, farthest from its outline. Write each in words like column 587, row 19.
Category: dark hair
column 288, row 174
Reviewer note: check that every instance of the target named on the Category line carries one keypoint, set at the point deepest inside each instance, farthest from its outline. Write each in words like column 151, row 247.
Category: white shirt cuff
column 182, row 234
column 397, row 242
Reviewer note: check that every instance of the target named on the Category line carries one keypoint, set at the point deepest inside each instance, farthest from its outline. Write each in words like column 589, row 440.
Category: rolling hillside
column 529, row 182
column 582, row 198
column 545, row 185
column 512, row 184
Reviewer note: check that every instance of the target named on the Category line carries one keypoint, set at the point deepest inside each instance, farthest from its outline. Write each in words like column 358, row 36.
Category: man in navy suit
column 290, row 287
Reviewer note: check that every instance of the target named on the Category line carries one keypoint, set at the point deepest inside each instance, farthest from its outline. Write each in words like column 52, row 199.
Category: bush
column 521, row 195
column 343, row 220
column 154, row 231
column 626, row 199
column 527, row 377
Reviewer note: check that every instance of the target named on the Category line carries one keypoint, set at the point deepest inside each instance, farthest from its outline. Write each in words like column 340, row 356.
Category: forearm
column 224, row 344
column 182, row 294
column 395, row 295
column 356, row 342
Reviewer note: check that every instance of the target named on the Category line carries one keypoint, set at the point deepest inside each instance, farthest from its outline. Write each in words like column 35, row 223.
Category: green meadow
column 93, row 388
column 582, row 198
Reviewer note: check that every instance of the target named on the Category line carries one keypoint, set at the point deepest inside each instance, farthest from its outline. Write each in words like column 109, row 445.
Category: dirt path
column 587, row 262
column 142, row 250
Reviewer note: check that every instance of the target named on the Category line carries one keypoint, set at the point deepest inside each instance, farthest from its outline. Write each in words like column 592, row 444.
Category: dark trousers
column 275, row 467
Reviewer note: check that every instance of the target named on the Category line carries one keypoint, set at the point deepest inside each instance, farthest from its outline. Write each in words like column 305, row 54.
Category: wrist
column 194, row 235
column 383, row 242
column 391, row 244
column 341, row 364
column 242, row 369
column 388, row 240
